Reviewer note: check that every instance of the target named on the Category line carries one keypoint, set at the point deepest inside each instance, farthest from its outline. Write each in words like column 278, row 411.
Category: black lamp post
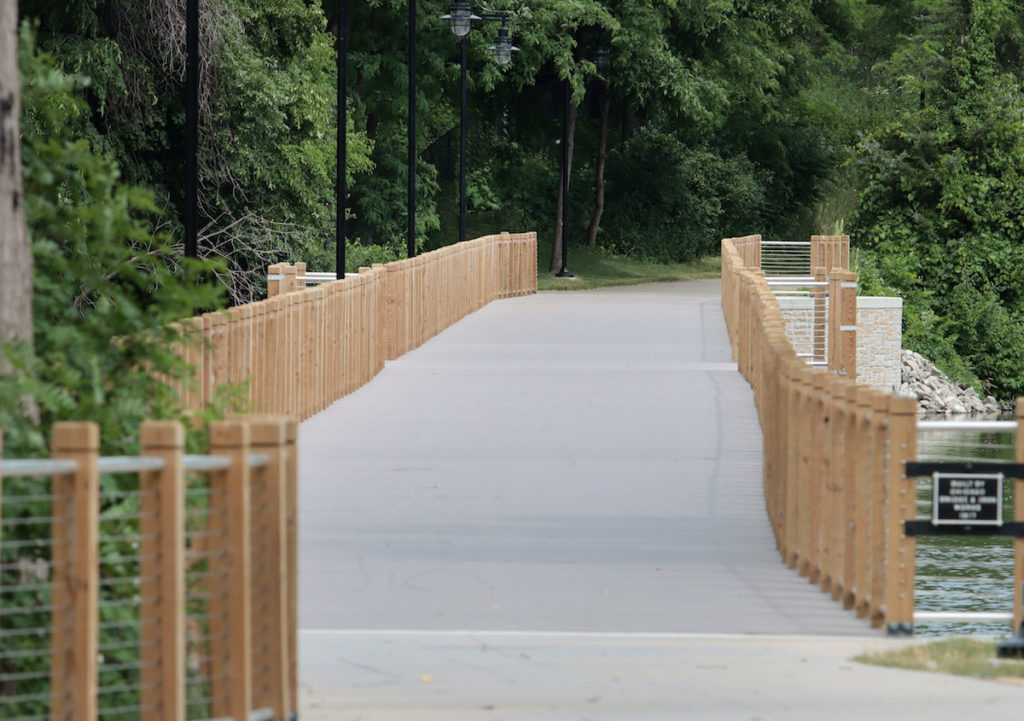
column 191, row 129
column 460, row 19
column 411, row 239
column 341, row 187
column 563, row 272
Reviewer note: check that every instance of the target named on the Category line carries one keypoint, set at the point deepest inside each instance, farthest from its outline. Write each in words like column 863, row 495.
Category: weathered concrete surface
column 490, row 676
column 566, row 462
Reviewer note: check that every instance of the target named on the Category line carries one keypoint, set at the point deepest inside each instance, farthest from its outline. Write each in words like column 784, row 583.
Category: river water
column 964, row 573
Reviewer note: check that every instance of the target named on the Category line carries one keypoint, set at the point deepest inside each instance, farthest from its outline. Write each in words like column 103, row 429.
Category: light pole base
column 564, row 273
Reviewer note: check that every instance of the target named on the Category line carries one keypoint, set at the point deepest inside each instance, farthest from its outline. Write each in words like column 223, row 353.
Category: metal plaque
column 967, row 499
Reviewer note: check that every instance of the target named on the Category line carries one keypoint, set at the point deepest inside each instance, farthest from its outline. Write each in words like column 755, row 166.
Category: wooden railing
column 835, row 452
column 160, row 586
column 163, row 586
column 834, row 481
column 303, row 348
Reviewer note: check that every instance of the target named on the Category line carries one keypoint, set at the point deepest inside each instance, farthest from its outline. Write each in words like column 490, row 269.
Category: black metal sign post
column 967, row 500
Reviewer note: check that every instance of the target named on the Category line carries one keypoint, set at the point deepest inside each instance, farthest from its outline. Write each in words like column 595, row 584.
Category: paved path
column 552, row 469
column 490, row 676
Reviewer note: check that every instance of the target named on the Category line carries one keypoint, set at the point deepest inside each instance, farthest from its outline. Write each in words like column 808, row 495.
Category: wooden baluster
column 271, row 571
column 900, row 565
column 162, row 573
column 74, row 668
column 231, row 665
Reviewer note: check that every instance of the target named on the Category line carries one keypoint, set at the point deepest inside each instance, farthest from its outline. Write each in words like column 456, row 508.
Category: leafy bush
column 106, row 285
column 942, row 210
column 670, row 202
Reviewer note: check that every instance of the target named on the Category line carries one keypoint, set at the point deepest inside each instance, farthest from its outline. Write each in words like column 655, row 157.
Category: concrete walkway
column 549, row 478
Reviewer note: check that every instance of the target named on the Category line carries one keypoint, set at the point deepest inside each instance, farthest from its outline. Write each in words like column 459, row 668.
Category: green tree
column 941, row 210
column 107, row 288
column 267, row 95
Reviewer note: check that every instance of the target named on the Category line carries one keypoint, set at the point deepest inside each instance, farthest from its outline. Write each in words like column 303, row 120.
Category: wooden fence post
column 162, row 572
column 288, row 283
column 820, row 468
column 231, row 670
column 790, row 451
column 835, row 523
column 857, row 511
column 274, row 273
column 848, row 324
column 221, row 349
column 74, row 665
column 819, row 343
column 292, row 528
column 832, row 460
column 830, row 251
column 260, row 389
column 880, row 433
column 271, row 571
column 835, row 304
column 899, row 595
column 805, row 452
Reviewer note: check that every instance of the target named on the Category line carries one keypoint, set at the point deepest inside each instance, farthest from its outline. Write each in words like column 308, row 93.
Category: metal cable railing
column 90, row 550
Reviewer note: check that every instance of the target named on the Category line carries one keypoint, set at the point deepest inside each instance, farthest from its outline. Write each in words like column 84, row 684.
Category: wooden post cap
column 268, row 430
column 229, row 434
column 903, row 405
column 161, row 434
column 76, row 436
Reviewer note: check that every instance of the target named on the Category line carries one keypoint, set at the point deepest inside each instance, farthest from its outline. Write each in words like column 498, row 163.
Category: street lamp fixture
column 503, row 46
column 460, row 19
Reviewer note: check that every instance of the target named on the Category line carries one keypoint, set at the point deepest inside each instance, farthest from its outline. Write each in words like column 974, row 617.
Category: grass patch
column 958, row 656
column 597, row 268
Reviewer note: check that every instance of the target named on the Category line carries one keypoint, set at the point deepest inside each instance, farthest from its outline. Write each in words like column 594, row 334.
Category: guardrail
column 161, row 586
column 835, row 453
column 303, row 348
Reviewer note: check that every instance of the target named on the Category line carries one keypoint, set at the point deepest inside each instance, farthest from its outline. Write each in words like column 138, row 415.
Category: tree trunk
column 15, row 253
column 602, row 154
column 556, row 250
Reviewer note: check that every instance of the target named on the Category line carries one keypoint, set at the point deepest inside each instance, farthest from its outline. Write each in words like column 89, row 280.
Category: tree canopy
column 898, row 122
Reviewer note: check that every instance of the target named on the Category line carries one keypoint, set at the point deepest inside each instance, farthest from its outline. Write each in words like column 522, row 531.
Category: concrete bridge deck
column 574, row 473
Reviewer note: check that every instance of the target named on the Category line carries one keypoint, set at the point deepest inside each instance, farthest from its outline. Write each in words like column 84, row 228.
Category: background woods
column 895, row 122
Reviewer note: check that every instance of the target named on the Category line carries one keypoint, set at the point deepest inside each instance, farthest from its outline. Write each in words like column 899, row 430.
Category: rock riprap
column 936, row 393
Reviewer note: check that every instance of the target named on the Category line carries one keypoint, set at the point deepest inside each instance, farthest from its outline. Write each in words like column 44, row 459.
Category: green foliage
column 941, row 205
column 267, row 103
column 726, row 117
column 106, row 286
column 365, row 256
column 673, row 202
